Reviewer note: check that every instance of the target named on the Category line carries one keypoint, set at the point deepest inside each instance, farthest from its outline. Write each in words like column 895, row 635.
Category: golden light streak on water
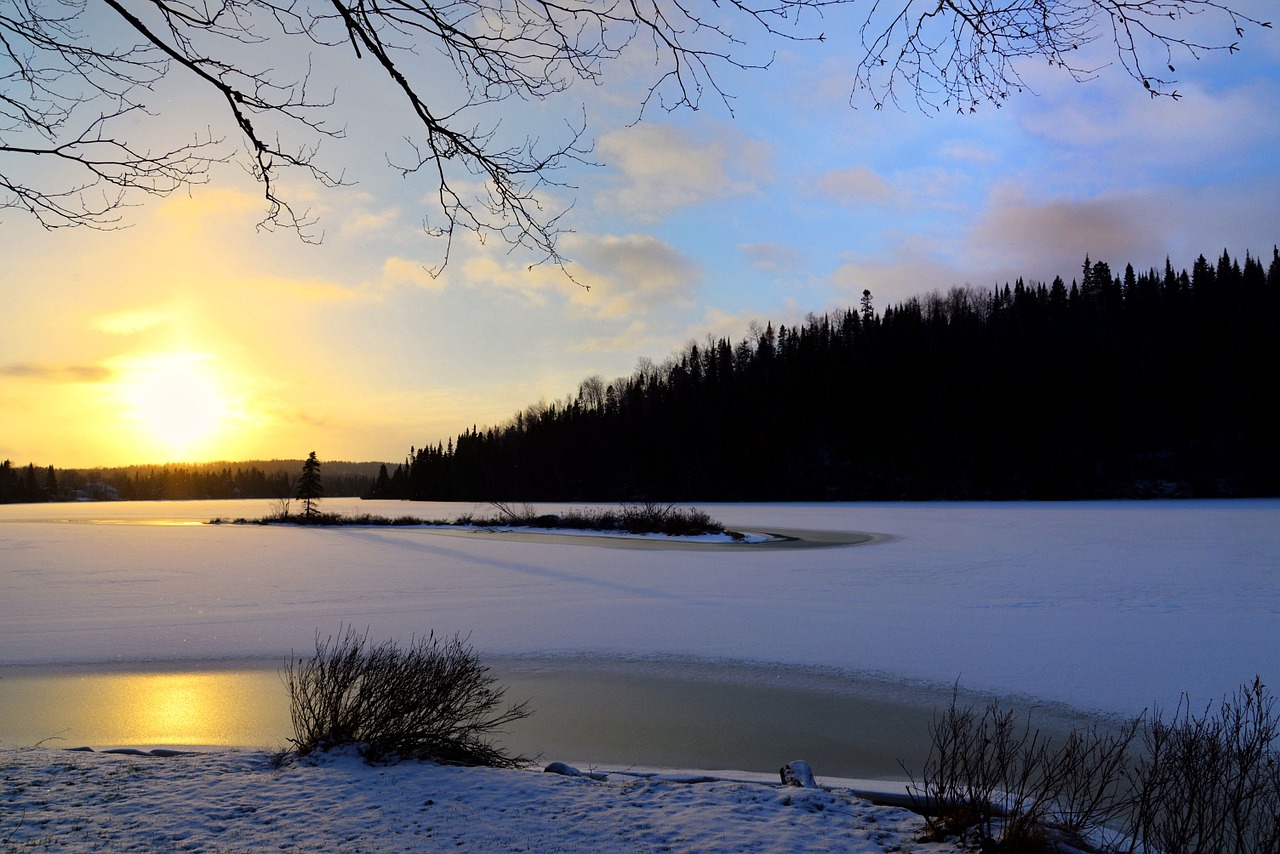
column 213, row 708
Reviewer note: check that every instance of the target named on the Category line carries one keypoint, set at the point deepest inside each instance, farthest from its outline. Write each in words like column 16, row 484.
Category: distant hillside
column 337, row 467
column 177, row 481
column 1143, row 384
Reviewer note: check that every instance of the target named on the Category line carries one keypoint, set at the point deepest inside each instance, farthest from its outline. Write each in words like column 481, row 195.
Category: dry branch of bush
column 1193, row 783
column 646, row 517
column 432, row 700
column 997, row 780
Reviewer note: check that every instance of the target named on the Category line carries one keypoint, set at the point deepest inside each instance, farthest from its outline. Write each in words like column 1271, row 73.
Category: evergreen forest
column 250, row 479
column 1154, row 383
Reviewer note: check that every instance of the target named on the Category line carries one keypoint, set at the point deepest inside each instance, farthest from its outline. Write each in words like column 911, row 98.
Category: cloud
column 1112, row 132
column 530, row 284
column 895, row 277
column 969, row 151
column 132, row 321
column 663, row 168
column 362, row 221
column 629, row 274
column 314, row 289
column 854, row 186
column 193, row 210
column 610, row 276
column 306, row 418
column 1043, row 237
column 774, row 257
column 637, row 336
column 57, row 373
column 402, row 271
column 1018, row 230
column 1018, row 234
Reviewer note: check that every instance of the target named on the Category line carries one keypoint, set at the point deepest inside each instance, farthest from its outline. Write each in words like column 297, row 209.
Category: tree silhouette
column 1154, row 384
column 78, row 80
column 310, row 489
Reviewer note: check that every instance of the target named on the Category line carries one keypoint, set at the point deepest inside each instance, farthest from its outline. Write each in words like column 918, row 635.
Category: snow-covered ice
column 1103, row 605
column 1108, row 606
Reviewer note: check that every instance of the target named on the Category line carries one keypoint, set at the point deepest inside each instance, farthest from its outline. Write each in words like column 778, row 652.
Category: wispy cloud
column 637, row 336
column 313, row 289
column 132, row 321
column 57, row 373
column 969, row 151
column 402, row 271
column 858, row 185
column 774, row 257
column 1107, row 135
column 363, row 221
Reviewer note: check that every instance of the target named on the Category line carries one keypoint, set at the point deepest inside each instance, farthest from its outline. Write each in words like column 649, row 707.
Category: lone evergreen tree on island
column 309, row 488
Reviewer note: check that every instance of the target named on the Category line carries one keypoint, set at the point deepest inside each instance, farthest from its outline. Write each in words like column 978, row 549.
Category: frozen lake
column 1099, row 606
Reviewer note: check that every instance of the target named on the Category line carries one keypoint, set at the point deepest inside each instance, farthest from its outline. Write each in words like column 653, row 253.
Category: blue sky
column 192, row 335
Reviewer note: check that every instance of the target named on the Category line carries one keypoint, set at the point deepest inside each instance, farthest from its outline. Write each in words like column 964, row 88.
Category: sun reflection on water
column 186, row 708
column 216, row 708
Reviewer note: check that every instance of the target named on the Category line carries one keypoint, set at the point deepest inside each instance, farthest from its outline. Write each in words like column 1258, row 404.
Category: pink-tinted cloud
column 857, row 185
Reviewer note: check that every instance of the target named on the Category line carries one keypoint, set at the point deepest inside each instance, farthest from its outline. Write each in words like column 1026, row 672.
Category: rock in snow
column 798, row 773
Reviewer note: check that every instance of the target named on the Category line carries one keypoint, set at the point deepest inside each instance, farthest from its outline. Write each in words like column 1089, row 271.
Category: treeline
column 25, row 484
column 251, row 479
column 1143, row 384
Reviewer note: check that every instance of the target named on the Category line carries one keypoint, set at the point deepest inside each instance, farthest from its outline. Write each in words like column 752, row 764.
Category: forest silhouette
column 1138, row 385
column 182, row 481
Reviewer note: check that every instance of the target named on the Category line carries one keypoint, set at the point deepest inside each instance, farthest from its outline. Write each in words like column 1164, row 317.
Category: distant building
column 97, row 491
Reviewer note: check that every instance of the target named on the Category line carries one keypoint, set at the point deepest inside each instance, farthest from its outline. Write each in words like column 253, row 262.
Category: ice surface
column 1103, row 605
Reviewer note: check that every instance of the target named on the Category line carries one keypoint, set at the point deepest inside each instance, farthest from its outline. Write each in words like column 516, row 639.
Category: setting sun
column 176, row 400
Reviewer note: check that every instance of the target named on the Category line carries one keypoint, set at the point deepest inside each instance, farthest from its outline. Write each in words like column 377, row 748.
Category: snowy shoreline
column 245, row 800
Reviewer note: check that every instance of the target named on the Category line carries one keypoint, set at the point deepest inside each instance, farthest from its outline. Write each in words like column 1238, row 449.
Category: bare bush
column 995, row 779
column 1194, row 784
column 432, row 700
column 647, row 517
column 652, row 517
column 510, row 514
column 1210, row 782
column 1090, row 788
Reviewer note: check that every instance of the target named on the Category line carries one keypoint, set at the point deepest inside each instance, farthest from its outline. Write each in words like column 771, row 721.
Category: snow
column 236, row 800
column 1111, row 606
column 692, row 539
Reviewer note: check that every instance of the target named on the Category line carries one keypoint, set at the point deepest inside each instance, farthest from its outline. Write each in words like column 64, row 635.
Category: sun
column 174, row 402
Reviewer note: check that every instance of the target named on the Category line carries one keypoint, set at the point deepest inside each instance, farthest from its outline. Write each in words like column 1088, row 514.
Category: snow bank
column 242, row 801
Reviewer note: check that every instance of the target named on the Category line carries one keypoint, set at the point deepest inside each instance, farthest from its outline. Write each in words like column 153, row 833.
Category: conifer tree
column 310, row 489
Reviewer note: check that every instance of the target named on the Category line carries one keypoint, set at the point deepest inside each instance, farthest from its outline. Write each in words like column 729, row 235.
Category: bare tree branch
column 71, row 87
column 962, row 54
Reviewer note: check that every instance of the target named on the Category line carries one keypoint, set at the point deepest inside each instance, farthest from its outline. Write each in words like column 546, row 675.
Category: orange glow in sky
column 175, row 405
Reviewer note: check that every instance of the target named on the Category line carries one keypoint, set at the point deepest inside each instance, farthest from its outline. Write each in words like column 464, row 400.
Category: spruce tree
column 310, row 489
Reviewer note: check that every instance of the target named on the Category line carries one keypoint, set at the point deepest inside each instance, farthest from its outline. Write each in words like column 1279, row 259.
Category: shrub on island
column 639, row 518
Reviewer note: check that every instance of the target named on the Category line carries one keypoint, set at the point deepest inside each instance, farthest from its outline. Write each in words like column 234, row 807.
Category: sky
column 193, row 335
